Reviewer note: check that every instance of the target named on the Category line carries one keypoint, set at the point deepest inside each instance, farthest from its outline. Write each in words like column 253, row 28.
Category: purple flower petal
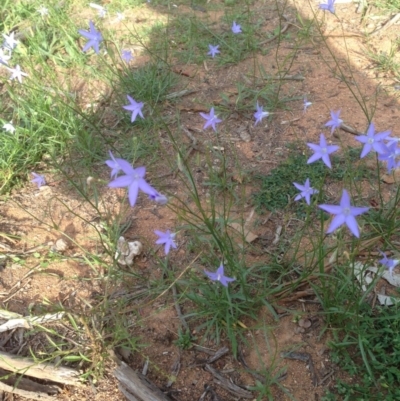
column 344, row 214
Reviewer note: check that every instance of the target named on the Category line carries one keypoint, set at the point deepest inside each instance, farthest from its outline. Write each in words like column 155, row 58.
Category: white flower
column 120, row 16
column 9, row 41
column 9, row 127
column 17, row 73
column 101, row 9
column 43, row 11
column 4, row 57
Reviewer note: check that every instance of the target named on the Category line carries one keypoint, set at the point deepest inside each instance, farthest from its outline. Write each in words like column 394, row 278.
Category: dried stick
column 176, row 367
column 218, row 354
column 388, row 24
column 209, row 389
column 350, row 130
column 228, row 385
column 138, row 387
column 297, row 77
column 27, row 388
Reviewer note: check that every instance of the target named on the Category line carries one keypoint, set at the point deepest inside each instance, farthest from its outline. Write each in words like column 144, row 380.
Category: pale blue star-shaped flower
column 127, row 56
column 219, row 276
column 213, row 50
column 16, row 73
column 306, row 105
column 260, row 114
column 328, row 6
column 9, row 41
column 4, row 58
column 236, row 28
column 305, row 191
column 211, row 119
column 344, row 214
column 94, row 38
column 167, row 239
column 335, row 121
column 389, row 263
column 135, row 107
column 322, row 151
column 373, row 141
column 114, row 165
column 391, row 139
column 38, row 179
column 134, row 180
column 390, row 155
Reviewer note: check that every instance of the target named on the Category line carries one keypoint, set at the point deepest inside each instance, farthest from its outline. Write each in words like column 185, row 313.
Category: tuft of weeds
column 192, row 36
column 151, row 83
column 368, row 349
column 44, row 127
column 387, row 62
column 387, row 6
column 185, row 340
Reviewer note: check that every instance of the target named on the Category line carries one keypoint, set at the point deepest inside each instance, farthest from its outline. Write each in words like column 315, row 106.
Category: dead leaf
column 391, row 178
column 248, row 235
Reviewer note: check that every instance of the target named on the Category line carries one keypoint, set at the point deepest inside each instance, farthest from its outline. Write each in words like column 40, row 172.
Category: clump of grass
column 387, row 62
column 387, row 6
column 368, row 349
column 151, row 83
column 192, row 36
column 277, row 189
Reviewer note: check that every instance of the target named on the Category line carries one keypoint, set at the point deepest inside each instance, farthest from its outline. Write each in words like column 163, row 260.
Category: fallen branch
column 218, row 354
column 214, row 355
column 176, row 367
column 209, row 389
column 48, row 371
column 296, row 77
column 228, row 385
column 388, row 24
column 27, row 388
column 14, row 320
column 350, row 130
column 181, row 93
column 136, row 387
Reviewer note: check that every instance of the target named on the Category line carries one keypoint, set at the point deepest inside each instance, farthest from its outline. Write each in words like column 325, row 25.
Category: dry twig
column 227, row 384
column 27, row 388
column 388, row 24
column 137, row 387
